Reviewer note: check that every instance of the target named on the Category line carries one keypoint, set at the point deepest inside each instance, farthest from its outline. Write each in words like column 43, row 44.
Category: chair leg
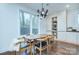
column 40, row 52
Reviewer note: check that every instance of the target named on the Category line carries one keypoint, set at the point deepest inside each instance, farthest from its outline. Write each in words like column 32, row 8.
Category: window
column 35, row 25
column 28, row 23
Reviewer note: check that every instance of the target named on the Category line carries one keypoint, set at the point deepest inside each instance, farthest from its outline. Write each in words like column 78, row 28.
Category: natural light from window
column 28, row 23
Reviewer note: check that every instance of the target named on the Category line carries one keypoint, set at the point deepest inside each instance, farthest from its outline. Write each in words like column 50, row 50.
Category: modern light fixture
column 42, row 13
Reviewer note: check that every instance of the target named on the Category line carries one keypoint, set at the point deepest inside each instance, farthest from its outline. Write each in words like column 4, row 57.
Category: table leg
column 47, row 46
column 31, row 49
column 40, row 47
column 20, row 48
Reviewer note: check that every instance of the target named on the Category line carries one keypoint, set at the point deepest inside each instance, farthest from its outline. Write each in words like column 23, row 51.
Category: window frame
column 21, row 17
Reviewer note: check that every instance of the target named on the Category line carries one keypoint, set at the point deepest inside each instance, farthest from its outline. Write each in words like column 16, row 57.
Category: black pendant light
column 42, row 13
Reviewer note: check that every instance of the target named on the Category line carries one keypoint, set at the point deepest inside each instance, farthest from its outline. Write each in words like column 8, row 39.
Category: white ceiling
column 52, row 7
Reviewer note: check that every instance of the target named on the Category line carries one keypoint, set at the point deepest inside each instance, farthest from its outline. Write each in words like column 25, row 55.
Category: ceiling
column 52, row 7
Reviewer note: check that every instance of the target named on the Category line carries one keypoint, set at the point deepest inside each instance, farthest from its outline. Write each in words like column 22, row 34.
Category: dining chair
column 50, row 43
column 41, row 45
column 23, row 45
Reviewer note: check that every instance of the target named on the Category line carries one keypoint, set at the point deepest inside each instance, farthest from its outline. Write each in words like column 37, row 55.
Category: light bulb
column 42, row 12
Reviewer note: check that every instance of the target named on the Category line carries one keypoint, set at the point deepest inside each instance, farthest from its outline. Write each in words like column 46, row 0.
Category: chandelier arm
column 42, row 12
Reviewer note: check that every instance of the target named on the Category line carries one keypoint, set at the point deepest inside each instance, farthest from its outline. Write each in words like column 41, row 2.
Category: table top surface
column 39, row 36
column 36, row 36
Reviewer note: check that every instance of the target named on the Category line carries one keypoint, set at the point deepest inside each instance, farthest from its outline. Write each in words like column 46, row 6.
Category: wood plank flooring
column 58, row 48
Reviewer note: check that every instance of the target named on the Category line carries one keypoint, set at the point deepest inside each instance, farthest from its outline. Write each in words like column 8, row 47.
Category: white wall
column 73, row 18
column 9, row 24
column 43, row 26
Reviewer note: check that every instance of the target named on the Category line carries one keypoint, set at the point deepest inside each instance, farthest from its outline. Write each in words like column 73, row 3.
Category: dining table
column 32, row 38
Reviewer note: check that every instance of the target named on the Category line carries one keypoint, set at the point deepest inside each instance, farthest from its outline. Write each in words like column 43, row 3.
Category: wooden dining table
column 31, row 39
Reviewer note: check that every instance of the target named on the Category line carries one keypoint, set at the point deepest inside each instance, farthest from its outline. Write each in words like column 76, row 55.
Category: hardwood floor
column 58, row 48
column 63, row 48
column 8, row 53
